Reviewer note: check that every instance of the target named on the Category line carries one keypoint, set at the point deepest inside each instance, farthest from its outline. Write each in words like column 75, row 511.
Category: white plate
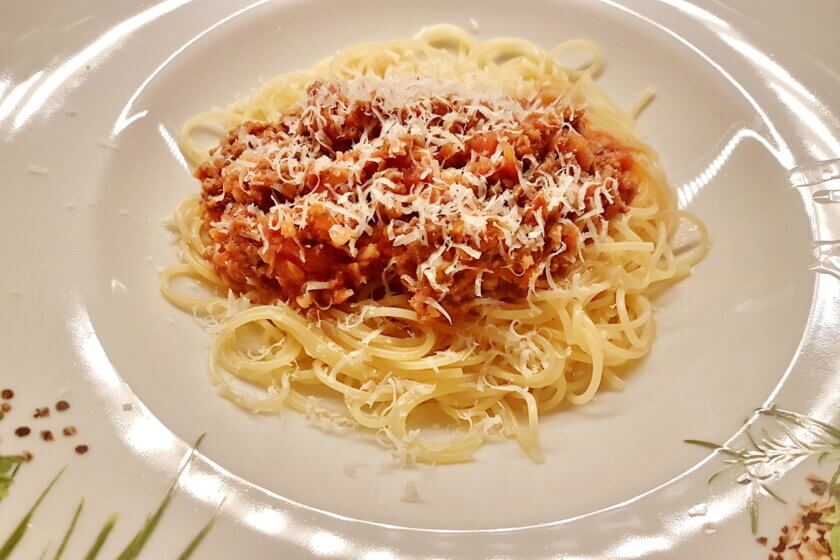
column 92, row 93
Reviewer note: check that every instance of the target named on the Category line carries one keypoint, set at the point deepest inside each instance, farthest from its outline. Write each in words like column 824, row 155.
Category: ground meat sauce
column 413, row 186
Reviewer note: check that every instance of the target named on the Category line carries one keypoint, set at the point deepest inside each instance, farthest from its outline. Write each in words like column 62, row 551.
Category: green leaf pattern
column 8, row 469
column 797, row 437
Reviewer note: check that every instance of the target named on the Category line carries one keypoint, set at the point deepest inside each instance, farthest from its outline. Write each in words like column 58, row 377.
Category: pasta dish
column 434, row 240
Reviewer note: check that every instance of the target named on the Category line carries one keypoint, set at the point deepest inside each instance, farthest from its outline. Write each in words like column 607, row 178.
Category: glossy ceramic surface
column 91, row 95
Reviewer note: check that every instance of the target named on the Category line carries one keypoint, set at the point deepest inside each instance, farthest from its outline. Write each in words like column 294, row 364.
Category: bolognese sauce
column 410, row 186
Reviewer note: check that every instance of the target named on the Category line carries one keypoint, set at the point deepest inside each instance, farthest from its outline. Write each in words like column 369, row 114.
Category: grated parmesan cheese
column 371, row 154
column 411, row 493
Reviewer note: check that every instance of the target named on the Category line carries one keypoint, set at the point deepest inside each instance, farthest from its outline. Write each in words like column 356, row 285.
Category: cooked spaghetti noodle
column 385, row 236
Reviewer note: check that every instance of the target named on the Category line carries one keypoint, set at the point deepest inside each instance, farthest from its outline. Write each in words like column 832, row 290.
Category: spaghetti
column 386, row 238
